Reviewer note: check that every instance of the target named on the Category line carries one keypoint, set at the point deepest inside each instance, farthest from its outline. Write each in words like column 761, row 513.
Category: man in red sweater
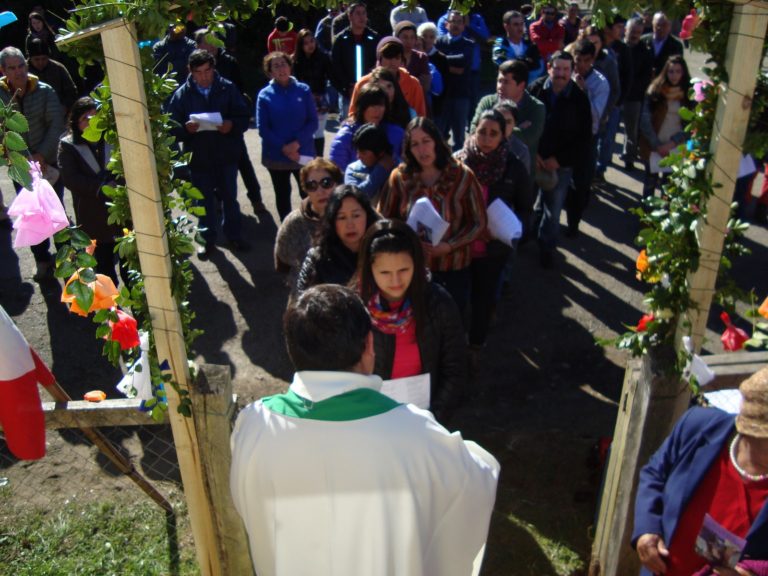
column 547, row 33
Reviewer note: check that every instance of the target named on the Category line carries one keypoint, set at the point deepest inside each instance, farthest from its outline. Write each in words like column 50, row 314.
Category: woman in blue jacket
column 711, row 464
column 286, row 118
column 372, row 108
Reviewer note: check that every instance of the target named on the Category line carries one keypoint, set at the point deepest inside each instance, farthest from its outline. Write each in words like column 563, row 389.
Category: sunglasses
column 327, row 183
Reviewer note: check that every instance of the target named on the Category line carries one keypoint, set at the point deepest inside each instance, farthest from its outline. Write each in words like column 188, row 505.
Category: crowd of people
column 412, row 125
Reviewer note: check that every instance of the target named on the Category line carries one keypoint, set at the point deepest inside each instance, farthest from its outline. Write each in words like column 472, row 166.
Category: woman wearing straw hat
column 710, row 475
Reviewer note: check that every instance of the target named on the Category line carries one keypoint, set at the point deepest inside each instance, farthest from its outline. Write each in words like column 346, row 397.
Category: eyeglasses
column 326, row 183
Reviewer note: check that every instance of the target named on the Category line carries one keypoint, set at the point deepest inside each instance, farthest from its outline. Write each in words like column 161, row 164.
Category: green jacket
column 530, row 124
column 42, row 109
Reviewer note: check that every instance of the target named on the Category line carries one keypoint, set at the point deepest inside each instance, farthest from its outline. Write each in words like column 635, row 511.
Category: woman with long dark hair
column 372, row 108
column 39, row 28
column 661, row 128
column 333, row 258
column 501, row 176
column 83, row 166
column 429, row 171
column 312, row 65
column 399, row 112
column 417, row 326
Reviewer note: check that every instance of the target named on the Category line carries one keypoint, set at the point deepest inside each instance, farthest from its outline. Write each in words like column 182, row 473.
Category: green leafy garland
column 670, row 248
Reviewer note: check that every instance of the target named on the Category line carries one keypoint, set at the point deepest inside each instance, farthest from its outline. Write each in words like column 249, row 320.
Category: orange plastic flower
column 763, row 310
column 91, row 247
column 733, row 338
column 641, row 264
column 124, row 331
column 642, row 325
column 104, row 294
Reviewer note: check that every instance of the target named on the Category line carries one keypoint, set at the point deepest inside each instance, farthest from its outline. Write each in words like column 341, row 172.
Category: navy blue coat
column 210, row 148
column 674, row 472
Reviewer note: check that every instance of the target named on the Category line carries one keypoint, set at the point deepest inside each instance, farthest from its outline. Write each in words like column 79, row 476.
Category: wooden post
column 743, row 57
column 651, row 402
column 212, row 409
column 129, row 102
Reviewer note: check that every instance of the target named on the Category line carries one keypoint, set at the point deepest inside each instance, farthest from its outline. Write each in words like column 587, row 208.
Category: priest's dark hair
column 326, row 329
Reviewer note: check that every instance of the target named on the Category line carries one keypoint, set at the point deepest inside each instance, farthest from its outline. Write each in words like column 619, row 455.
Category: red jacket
column 282, row 41
column 548, row 40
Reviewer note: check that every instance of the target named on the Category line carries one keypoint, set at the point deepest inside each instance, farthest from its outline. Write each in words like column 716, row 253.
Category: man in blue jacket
column 215, row 149
column 457, row 92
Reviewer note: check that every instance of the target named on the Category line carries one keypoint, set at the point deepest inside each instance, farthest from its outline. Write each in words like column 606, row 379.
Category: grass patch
column 93, row 538
column 564, row 561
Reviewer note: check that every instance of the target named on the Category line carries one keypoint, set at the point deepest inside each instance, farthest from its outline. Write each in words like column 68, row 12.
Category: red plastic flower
column 733, row 338
column 642, row 326
column 124, row 331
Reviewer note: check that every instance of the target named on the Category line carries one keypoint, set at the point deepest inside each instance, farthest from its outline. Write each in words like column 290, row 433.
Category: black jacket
column 343, row 59
column 314, row 71
column 568, row 125
column 516, row 191
column 671, row 47
column 337, row 267
column 83, row 172
column 442, row 348
column 642, row 69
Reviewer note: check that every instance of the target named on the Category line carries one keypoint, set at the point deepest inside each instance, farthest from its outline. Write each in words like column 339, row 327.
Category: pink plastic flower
column 733, row 338
column 699, row 90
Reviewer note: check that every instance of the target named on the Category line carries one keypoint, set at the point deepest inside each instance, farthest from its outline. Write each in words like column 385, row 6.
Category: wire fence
column 74, row 468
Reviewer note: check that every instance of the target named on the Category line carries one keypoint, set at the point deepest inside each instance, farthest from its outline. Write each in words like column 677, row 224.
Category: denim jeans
column 549, row 205
column 453, row 119
column 219, row 184
column 607, row 140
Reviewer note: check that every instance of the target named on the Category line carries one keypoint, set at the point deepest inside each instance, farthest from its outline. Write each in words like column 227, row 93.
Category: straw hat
column 753, row 418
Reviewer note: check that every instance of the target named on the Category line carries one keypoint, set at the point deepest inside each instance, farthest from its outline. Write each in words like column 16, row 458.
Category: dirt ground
column 542, row 398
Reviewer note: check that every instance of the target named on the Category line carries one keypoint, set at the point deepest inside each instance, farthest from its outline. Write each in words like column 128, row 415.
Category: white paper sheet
column 138, row 384
column 412, row 390
column 727, row 400
column 653, row 164
column 503, row 223
column 207, row 120
column 427, row 223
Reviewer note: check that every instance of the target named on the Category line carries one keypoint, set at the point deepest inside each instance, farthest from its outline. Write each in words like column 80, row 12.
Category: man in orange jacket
column 389, row 54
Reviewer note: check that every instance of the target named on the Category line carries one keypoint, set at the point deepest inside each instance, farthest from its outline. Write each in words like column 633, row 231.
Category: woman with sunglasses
column 333, row 258
column 294, row 237
column 417, row 326
column 372, row 108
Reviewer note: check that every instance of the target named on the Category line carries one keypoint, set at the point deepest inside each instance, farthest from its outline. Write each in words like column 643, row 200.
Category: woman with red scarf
column 416, row 324
column 501, row 175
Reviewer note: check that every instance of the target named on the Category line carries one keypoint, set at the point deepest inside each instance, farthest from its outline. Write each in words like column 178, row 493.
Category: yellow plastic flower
column 763, row 310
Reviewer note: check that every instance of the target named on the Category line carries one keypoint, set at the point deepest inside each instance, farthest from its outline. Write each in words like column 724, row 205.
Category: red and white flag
column 21, row 412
